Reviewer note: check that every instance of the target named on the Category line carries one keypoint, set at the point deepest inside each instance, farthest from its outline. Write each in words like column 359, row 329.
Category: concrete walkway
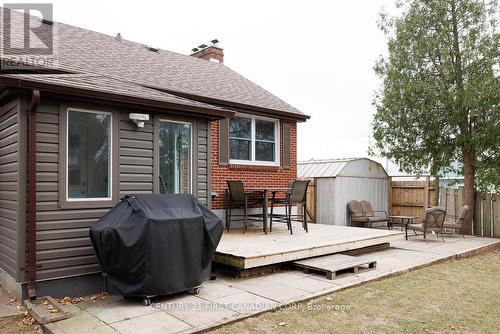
column 8, row 305
column 226, row 300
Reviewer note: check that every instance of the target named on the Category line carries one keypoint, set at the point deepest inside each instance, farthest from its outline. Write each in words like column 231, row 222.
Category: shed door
column 175, row 157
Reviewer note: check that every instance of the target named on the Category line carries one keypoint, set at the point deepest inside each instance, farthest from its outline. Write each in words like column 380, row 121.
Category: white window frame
column 110, row 171
column 252, row 160
column 190, row 151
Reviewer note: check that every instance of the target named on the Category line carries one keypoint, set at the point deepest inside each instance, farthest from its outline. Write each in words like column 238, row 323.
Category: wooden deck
column 255, row 249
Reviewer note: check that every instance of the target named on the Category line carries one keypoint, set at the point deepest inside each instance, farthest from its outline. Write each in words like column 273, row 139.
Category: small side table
column 403, row 221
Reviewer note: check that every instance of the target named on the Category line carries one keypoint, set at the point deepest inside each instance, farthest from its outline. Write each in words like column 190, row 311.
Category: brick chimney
column 211, row 52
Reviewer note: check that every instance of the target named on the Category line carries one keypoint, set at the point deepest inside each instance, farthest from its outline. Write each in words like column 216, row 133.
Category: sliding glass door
column 175, row 157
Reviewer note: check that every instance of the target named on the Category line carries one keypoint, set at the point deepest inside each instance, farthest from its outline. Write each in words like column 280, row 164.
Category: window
column 88, row 155
column 175, row 157
column 254, row 140
column 240, row 138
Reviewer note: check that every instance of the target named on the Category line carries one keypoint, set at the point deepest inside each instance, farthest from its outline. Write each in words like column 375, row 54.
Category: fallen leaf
column 12, row 300
column 28, row 320
column 77, row 300
column 329, row 298
column 66, row 301
column 99, row 296
column 45, row 302
column 282, row 324
column 54, row 310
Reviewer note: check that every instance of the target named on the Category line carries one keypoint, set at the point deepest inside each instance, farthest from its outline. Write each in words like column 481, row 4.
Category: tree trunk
column 469, row 187
column 468, row 152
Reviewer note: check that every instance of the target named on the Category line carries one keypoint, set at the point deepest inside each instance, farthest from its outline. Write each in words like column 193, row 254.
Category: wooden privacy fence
column 487, row 210
column 407, row 197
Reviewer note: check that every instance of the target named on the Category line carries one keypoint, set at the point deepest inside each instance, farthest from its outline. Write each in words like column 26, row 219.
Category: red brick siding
column 251, row 175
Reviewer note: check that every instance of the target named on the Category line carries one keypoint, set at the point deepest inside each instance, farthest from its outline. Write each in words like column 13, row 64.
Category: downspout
column 35, row 101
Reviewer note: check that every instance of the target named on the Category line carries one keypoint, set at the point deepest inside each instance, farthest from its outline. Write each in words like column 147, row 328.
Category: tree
column 438, row 103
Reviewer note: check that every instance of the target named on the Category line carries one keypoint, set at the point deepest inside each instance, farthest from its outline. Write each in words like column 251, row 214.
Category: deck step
column 332, row 264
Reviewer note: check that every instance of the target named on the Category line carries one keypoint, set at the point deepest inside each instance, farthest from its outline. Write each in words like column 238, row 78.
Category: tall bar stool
column 237, row 198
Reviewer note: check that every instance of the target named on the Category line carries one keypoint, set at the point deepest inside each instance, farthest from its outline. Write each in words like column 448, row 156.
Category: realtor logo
column 28, row 37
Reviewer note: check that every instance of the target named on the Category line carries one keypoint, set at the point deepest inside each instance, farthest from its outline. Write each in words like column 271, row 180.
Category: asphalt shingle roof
column 101, row 83
column 88, row 52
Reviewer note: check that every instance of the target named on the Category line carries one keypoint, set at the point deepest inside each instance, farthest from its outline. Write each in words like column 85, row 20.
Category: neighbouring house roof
column 334, row 167
column 81, row 51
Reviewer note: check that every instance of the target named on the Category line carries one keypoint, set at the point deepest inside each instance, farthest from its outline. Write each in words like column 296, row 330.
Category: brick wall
column 251, row 175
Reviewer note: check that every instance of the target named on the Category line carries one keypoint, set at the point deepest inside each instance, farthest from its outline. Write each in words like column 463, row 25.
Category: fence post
column 487, row 215
column 389, row 196
column 496, row 215
column 436, row 190
column 477, row 216
column 447, row 193
column 426, row 193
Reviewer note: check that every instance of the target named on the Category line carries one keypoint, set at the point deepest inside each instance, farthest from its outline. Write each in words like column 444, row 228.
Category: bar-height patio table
column 265, row 191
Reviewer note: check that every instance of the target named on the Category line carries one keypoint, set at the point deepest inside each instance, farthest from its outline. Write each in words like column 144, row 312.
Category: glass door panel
column 175, row 157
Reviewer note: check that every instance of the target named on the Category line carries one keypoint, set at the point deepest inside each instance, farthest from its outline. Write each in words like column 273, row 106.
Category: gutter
column 31, row 265
column 238, row 106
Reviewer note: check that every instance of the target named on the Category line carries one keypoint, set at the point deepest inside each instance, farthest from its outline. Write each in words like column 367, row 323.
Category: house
column 114, row 117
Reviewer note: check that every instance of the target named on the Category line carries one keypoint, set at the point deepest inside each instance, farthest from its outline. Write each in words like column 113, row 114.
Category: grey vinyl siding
column 136, row 157
column 11, row 233
column 202, row 161
column 63, row 244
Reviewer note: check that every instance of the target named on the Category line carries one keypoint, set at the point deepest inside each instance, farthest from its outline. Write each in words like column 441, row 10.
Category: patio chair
column 433, row 222
column 296, row 195
column 459, row 221
column 237, row 198
column 362, row 212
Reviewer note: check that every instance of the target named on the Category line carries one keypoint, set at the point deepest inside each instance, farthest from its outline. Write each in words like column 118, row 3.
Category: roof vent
column 119, row 38
column 47, row 22
column 152, row 49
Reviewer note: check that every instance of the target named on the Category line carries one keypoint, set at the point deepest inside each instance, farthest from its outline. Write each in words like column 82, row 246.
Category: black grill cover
column 156, row 244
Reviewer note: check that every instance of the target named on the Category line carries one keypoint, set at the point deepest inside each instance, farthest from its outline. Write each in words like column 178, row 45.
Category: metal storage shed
column 340, row 180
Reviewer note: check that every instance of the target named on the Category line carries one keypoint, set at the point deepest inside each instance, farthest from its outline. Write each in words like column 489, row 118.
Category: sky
column 316, row 55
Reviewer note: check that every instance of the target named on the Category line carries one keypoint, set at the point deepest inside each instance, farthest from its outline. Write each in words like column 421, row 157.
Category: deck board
column 255, row 249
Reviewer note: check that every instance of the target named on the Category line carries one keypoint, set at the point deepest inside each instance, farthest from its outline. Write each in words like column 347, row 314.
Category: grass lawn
column 460, row 296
